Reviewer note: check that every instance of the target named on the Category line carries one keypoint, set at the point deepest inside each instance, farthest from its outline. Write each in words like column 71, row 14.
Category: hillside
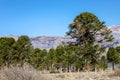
column 45, row 42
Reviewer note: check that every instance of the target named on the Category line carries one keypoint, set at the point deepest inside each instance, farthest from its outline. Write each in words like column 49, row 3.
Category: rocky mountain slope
column 116, row 34
column 45, row 42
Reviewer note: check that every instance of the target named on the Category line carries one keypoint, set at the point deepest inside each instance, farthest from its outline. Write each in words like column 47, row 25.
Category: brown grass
column 28, row 73
column 20, row 73
column 116, row 73
column 103, row 75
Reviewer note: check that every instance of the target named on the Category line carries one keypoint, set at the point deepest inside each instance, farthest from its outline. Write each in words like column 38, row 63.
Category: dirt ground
column 107, row 75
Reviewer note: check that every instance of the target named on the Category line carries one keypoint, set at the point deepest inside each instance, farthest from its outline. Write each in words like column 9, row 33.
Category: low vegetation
column 28, row 73
column 20, row 73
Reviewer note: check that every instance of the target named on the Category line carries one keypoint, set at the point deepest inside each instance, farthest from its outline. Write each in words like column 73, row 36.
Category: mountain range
column 47, row 42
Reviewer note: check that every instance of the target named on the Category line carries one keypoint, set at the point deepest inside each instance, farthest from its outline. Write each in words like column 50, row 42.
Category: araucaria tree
column 89, row 31
column 86, row 28
column 14, row 51
column 113, row 56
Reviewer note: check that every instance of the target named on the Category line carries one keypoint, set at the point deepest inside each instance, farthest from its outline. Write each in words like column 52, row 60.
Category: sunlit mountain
column 46, row 42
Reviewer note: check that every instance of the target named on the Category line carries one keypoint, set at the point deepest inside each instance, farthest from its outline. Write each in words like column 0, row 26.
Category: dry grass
column 116, row 73
column 20, row 73
column 28, row 73
column 106, row 75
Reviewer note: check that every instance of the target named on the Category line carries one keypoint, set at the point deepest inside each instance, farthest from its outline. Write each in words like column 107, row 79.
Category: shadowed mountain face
column 44, row 42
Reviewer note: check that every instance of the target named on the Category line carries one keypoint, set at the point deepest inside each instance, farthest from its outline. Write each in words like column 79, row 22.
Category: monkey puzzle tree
column 51, row 58
column 89, row 31
column 118, row 49
column 23, row 48
column 103, row 63
column 60, row 57
column 86, row 28
column 6, row 51
column 113, row 56
column 35, row 57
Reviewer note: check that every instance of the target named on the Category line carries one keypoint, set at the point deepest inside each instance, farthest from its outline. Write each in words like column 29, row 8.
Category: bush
column 20, row 73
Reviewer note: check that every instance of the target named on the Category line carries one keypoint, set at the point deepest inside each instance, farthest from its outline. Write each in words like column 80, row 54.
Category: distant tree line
column 83, row 55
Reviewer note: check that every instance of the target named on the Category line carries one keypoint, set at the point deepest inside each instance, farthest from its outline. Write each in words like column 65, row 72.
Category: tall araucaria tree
column 86, row 28
column 89, row 31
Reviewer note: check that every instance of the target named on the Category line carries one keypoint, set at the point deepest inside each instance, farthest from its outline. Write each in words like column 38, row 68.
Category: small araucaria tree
column 89, row 31
column 113, row 56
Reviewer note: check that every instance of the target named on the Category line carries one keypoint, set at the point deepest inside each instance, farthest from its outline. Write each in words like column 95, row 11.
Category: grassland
column 28, row 73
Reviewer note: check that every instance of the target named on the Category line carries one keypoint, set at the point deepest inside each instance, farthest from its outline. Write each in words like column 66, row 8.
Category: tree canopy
column 86, row 28
column 113, row 56
column 89, row 31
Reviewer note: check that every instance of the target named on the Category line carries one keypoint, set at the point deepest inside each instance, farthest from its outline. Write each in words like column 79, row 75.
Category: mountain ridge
column 47, row 42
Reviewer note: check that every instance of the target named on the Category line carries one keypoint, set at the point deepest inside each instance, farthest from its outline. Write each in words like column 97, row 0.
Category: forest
column 85, row 54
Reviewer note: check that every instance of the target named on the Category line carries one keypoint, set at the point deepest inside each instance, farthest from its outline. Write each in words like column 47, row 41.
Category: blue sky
column 51, row 17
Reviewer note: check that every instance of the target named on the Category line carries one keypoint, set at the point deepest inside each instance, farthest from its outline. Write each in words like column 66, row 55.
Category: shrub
column 20, row 73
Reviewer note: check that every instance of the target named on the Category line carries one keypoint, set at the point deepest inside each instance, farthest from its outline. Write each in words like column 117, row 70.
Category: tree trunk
column 113, row 66
column 68, row 69
column 61, row 69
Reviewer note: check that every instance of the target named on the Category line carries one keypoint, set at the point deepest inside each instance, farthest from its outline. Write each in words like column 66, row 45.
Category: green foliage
column 35, row 57
column 118, row 49
column 103, row 63
column 38, row 58
column 113, row 56
column 23, row 48
column 6, row 50
column 51, row 58
column 14, row 52
column 86, row 27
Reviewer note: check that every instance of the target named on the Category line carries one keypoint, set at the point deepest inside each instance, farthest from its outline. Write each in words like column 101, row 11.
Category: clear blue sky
column 51, row 17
